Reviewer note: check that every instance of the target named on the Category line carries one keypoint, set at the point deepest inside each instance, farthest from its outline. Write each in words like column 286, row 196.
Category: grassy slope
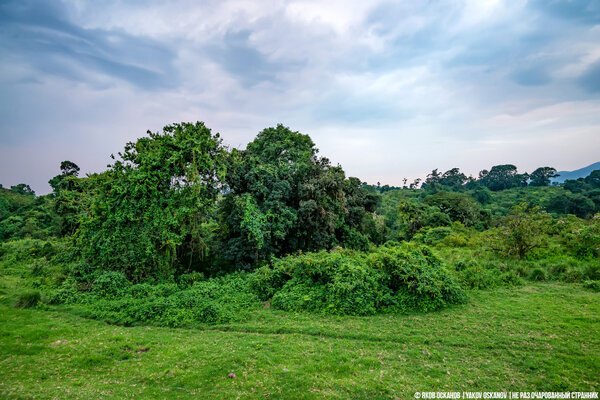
column 538, row 337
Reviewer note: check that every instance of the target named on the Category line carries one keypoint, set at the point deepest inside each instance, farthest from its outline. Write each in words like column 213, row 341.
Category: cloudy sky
column 387, row 89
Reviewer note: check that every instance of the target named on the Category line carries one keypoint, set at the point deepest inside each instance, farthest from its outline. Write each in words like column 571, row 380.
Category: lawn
column 537, row 337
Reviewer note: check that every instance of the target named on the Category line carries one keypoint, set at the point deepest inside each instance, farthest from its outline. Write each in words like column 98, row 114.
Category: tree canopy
column 501, row 177
column 284, row 198
column 147, row 209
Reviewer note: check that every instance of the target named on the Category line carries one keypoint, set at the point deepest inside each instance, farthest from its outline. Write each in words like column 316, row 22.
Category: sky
column 387, row 89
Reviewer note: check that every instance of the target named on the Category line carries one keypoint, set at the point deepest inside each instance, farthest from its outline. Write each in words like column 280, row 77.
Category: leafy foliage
column 459, row 207
column 396, row 278
column 521, row 232
column 501, row 177
column 147, row 209
column 541, row 176
column 26, row 216
column 284, row 198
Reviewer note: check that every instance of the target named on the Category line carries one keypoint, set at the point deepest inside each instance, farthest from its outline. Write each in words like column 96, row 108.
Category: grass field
column 537, row 337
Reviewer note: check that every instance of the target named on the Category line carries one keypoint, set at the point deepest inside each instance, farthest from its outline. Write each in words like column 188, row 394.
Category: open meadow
column 542, row 337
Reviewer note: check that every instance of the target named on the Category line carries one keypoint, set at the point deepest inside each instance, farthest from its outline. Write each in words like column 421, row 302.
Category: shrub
column 187, row 280
column 573, row 274
column 265, row 281
column 140, row 290
column 537, row 274
column 456, row 240
column 21, row 251
column 163, row 289
column 27, row 299
column 483, row 275
column 418, row 277
column 211, row 301
column 592, row 285
column 395, row 277
column 353, row 239
column 67, row 293
column 477, row 277
column 511, row 278
column 592, row 272
column 296, row 297
column 354, row 290
column 523, row 231
column 435, row 235
column 111, row 284
column 557, row 270
column 82, row 271
column 39, row 267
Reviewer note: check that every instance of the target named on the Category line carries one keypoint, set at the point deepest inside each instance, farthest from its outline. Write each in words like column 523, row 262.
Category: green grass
column 536, row 337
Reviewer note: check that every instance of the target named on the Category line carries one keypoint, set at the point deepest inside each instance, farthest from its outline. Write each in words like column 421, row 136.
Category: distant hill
column 578, row 173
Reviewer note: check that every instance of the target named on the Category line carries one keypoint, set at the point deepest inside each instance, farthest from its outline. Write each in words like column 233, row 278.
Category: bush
column 477, row 277
column 573, row 274
column 82, row 271
column 354, row 290
column 27, row 299
column 435, row 235
column 187, row 280
column 67, row 293
column 140, row 290
column 592, row 285
column 116, row 300
column 592, row 272
column 353, row 239
column 39, row 267
column 265, row 282
column 298, row 297
column 395, row 277
column 417, row 278
column 557, row 270
column 537, row 274
column 485, row 274
column 111, row 284
column 21, row 251
column 511, row 278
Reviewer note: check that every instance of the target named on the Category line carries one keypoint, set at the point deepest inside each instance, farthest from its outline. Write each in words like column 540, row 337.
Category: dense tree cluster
column 179, row 201
column 146, row 213
column 284, row 198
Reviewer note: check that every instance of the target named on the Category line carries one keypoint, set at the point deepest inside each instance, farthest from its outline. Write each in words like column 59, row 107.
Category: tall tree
column 432, row 178
column 69, row 168
column 541, row 176
column 22, row 188
column 62, row 181
column 453, row 178
column 148, row 208
column 284, row 198
column 502, row 177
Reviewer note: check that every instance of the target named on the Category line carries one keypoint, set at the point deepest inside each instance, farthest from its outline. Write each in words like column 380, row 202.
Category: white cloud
column 388, row 89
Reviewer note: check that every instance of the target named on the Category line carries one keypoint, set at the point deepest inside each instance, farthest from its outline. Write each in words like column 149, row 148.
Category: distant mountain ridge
column 576, row 174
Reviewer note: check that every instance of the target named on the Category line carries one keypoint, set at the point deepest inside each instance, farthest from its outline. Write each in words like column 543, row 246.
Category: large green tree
column 284, row 198
column 541, row 176
column 501, row 177
column 148, row 208
column 452, row 179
